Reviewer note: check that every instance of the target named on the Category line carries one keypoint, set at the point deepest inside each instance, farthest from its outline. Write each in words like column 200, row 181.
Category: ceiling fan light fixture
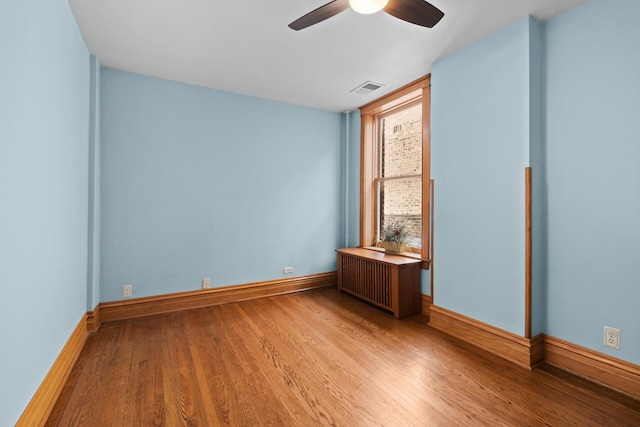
column 418, row 12
column 368, row 6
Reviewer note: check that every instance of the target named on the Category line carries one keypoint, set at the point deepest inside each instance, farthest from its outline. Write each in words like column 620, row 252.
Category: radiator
column 367, row 279
column 391, row 282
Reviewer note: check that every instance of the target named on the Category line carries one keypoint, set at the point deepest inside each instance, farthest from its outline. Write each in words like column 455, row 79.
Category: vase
column 393, row 247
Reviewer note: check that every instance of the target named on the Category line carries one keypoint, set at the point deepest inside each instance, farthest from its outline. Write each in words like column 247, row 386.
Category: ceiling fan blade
column 417, row 12
column 320, row 14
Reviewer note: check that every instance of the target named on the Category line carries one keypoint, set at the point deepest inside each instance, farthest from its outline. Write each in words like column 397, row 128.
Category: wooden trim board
column 39, row 408
column 525, row 352
column 93, row 320
column 426, row 304
column 148, row 306
column 594, row 366
column 528, row 269
column 600, row 368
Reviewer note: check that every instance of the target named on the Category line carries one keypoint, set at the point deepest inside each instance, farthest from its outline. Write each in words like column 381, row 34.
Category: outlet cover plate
column 206, row 283
column 612, row 337
column 127, row 291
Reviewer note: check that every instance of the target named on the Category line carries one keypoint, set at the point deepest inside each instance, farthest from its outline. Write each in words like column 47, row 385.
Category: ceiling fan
column 417, row 12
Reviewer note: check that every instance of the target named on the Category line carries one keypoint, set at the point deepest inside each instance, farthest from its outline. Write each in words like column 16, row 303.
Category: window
column 399, row 178
column 395, row 172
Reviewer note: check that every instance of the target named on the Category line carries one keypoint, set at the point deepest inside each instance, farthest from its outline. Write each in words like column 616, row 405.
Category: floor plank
column 314, row 358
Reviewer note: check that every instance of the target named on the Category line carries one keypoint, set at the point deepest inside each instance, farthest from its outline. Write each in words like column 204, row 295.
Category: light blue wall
column 593, row 174
column 44, row 105
column 480, row 128
column 202, row 183
column 353, row 176
column 563, row 98
column 536, row 162
column 93, row 256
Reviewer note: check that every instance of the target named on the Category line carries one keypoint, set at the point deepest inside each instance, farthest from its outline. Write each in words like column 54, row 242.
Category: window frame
column 419, row 90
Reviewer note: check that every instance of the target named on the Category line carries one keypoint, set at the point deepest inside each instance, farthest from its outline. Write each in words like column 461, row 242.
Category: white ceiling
column 245, row 46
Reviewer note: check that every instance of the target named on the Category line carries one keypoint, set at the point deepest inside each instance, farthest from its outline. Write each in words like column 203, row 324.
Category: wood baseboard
column 39, row 408
column 139, row 307
column 525, row 352
column 594, row 366
column 93, row 320
column 427, row 301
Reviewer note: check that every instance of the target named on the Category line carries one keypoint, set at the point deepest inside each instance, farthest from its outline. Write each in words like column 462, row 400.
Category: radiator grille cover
column 391, row 282
column 368, row 280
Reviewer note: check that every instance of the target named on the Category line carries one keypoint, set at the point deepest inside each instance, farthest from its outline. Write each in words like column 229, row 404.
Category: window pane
column 401, row 200
column 401, row 142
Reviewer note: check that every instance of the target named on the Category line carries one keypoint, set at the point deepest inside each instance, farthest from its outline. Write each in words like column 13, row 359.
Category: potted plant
column 394, row 237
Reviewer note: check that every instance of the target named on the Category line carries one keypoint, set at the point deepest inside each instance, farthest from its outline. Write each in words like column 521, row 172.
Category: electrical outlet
column 127, row 291
column 206, row 283
column 611, row 337
column 287, row 270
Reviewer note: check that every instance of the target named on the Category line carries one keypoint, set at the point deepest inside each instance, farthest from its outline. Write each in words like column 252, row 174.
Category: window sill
column 426, row 263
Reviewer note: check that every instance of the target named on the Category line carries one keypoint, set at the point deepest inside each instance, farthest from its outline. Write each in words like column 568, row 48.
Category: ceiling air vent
column 366, row 88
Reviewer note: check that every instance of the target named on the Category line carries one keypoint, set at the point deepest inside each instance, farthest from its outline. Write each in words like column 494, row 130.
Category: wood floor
column 314, row 358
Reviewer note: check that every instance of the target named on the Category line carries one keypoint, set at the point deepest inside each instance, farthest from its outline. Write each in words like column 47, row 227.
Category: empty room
column 314, row 212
